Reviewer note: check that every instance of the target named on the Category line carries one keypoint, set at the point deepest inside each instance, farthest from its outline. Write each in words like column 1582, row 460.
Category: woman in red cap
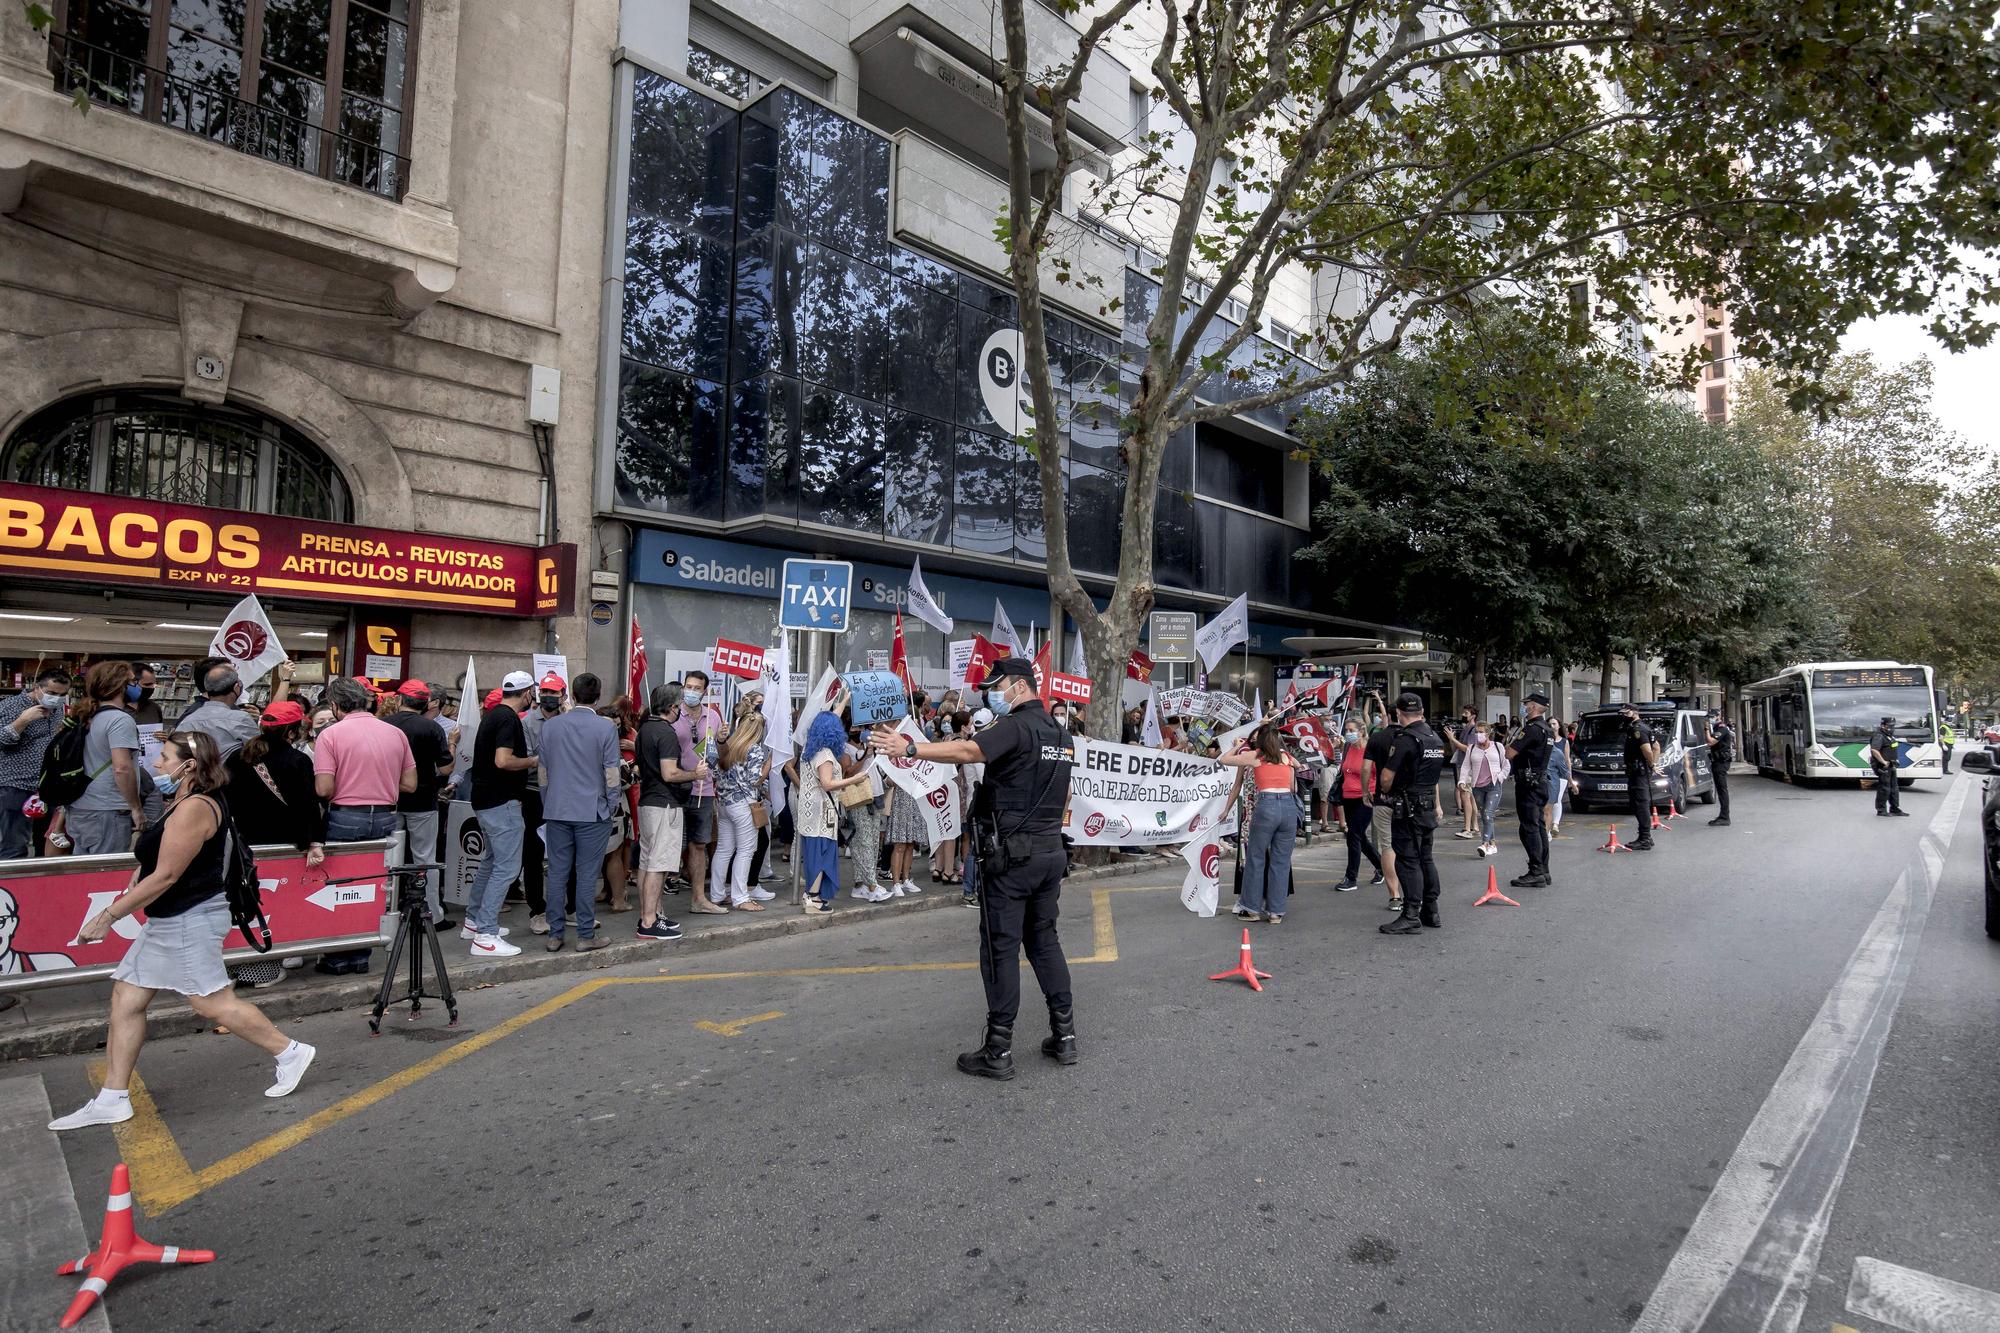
column 270, row 786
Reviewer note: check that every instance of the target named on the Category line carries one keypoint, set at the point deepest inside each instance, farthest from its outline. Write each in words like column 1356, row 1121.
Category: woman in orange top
column 1274, row 825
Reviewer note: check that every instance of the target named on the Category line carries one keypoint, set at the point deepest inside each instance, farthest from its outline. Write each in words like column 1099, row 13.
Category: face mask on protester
column 693, row 698
column 1351, row 736
column 168, row 783
column 54, row 702
column 131, row 694
column 551, row 703
column 145, row 693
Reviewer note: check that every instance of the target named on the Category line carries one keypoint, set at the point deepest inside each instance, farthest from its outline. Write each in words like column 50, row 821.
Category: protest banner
column 1226, row 709
column 934, row 787
column 742, row 660
column 959, row 660
column 1201, row 887
column 876, row 696
column 878, row 659
column 1131, row 795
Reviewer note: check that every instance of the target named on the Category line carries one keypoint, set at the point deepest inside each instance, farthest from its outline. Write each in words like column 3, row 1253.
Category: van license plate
column 1612, row 786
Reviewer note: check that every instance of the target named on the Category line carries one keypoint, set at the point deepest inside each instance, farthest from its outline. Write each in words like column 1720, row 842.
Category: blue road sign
column 816, row 595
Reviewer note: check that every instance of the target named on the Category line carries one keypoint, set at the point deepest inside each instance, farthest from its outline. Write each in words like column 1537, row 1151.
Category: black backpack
column 239, row 881
column 64, row 777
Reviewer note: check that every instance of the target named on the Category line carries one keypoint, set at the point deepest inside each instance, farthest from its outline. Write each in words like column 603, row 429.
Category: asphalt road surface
column 1665, row 1092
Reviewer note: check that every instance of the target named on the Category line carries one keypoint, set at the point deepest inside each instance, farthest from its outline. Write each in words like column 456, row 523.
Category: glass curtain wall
column 782, row 357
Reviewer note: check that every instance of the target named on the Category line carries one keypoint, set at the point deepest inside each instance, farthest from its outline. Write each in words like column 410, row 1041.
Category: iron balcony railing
column 111, row 79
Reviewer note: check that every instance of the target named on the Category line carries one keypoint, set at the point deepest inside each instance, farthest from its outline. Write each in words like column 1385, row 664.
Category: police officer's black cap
column 1011, row 666
column 1409, row 703
column 1539, row 698
column 1889, row 721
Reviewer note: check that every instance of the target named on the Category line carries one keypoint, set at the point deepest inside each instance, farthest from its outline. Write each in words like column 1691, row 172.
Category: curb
column 78, row 1036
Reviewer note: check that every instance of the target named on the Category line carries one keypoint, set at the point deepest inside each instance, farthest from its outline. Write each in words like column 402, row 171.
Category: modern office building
column 801, row 280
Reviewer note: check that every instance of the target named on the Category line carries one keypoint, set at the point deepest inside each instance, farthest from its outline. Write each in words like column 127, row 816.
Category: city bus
column 1813, row 720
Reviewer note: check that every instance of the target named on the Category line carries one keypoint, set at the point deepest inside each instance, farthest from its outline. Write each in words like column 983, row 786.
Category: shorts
column 1464, row 775
column 180, row 953
column 660, row 837
column 700, row 820
column 1381, row 820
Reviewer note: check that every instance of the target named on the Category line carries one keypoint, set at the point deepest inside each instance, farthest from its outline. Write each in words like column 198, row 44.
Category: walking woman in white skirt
column 179, row 885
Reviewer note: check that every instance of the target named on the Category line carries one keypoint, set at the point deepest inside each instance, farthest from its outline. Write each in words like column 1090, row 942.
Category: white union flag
column 246, row 638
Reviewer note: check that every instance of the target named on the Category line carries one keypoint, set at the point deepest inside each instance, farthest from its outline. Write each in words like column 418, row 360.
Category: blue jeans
column 17, row 834
column 345, row 824
column 1267, row 852
column 1488, row 801
column 502, row 828
column 576, row 852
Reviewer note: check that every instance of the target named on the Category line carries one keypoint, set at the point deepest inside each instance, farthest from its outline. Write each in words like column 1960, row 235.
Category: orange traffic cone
column 1245, row 967
column 1656, row 818
column 1611, row 844
column 1493, row 894
column 119, row 1249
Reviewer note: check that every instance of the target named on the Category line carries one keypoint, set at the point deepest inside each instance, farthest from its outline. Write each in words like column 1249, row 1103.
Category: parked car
column 1597, row 761
column 1982, row 761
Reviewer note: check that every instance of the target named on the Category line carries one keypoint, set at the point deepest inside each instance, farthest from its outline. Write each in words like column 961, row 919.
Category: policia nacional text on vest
column 1016, row 826
column 1408, row 786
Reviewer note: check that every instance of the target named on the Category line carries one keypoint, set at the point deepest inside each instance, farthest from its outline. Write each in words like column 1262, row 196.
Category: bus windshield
column 1851, row 713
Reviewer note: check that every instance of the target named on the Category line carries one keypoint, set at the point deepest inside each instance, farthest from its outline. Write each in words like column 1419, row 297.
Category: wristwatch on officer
column 909, row 748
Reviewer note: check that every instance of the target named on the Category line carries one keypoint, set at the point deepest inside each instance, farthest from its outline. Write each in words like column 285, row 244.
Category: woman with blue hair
column 818, row 814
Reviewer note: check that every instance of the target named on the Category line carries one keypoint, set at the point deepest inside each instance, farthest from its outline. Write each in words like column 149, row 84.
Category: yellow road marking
column 734, row 1027
column 1844, row 1328
column 160, row 1171
column 162, row 1179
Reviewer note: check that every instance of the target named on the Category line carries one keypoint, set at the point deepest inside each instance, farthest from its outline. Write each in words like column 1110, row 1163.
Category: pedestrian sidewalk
column 70, row 1020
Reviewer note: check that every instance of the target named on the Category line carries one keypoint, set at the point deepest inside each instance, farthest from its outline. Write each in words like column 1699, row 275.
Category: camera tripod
column 413, row 918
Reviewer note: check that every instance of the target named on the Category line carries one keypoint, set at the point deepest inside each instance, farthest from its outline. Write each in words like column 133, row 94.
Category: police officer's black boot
column 1428, row 914
column 1060, row 1044
column 1411, row 921
column 993, row 1060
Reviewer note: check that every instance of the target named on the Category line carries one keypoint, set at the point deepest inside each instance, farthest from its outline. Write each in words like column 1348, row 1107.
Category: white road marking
column 40, row 1228
column 1918, row 1302
column 1747, row 1264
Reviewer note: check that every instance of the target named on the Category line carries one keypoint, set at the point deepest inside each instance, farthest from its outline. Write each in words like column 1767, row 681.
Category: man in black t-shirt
column 664, row 784
column 500, row 764
column 1374, row 757
column 417, row 811
column 1882, row 755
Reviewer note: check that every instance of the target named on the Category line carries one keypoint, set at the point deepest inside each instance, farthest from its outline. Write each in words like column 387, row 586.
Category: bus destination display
column 1868, row 677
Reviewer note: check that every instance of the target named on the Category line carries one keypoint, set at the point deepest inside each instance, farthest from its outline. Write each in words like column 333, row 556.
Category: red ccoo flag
column 1042, row 671
column 984, row 654
column 899, row 658
column 635, row 682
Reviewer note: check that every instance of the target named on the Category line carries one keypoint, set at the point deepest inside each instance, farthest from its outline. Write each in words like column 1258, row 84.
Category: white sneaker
column 896, row 889
column 468, row 933
column 290, row 1071
column 878, row 894
column 763, row 895
column 492, row 946
column 911, row 886
column 860, row 893
column 94, row 1112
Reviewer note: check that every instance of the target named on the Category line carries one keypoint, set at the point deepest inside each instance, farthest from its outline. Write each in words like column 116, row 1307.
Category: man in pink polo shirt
column 361, row 764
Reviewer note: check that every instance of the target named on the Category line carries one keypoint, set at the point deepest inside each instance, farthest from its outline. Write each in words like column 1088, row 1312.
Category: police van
column 1597, row 759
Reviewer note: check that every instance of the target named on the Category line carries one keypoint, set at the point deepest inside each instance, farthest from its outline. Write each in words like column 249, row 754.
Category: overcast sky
column 1967, row 385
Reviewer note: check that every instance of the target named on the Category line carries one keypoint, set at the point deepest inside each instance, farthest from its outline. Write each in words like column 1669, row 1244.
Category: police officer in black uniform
column 1530, row 756
column 1721, row 738
column 1016, row 823
column 1642, row 753
column 1407, row 783
column 1882, row 755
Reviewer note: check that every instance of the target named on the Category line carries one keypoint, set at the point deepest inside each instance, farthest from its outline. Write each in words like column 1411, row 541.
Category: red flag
column 1041, row 666
column 1139, row 667
column 635, row 683
column 984, row 654
column 899, row 659
column 1311, row 737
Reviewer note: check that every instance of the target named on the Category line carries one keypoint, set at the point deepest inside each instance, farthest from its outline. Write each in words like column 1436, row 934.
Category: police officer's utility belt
column 1000, row 852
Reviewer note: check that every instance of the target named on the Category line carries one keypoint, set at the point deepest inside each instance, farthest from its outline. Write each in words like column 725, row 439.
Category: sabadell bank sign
column 711, row 564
